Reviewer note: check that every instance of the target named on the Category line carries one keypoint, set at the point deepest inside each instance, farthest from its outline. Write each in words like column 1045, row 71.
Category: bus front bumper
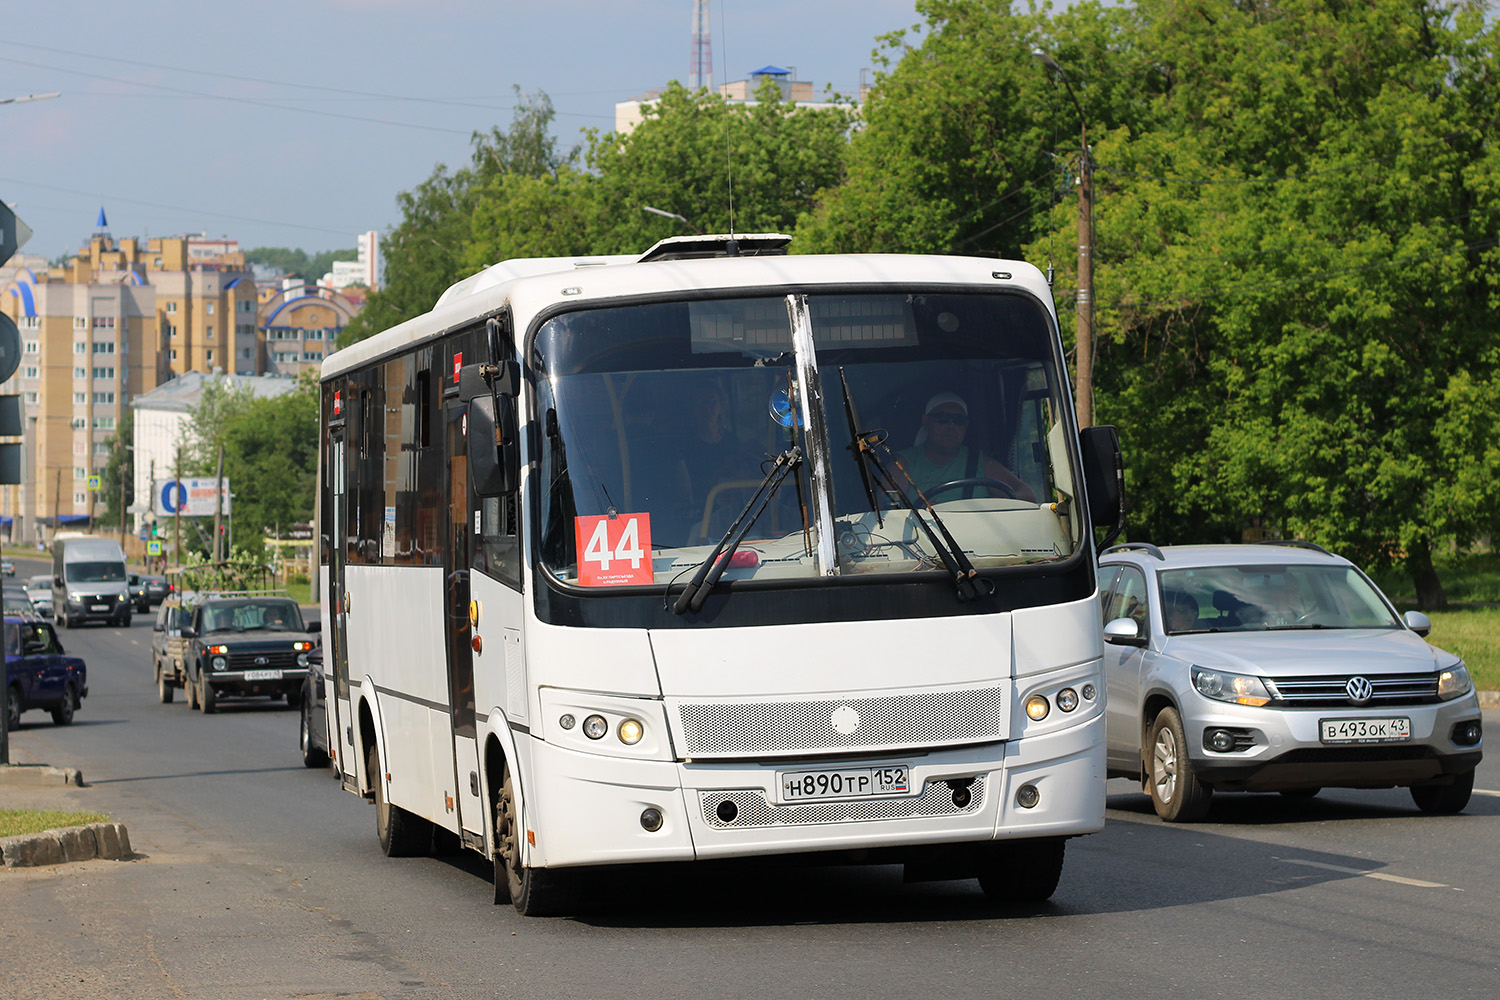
column 586, row 809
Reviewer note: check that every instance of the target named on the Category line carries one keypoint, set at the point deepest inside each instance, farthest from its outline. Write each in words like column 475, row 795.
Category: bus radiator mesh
column 925, row 719
column 752, row 808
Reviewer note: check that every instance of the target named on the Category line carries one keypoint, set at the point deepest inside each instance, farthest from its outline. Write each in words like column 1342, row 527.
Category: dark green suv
column 246, row 644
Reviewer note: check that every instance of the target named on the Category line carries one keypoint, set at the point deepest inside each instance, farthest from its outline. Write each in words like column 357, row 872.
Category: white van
column 88, row 580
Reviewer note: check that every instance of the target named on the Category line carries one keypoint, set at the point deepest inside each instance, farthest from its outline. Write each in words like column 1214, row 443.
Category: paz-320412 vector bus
column 638, row 559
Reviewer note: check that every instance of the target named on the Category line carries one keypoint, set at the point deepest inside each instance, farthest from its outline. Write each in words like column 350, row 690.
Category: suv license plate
column 262, row 675
column 857, row 783
column 1392, row 730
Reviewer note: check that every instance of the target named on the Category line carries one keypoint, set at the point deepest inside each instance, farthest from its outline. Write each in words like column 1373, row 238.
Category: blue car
column 38, row 674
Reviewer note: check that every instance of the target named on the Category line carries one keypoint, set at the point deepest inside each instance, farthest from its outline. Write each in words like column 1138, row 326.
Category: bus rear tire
column 401, row 834
column 1023, row 871
column 534, row 892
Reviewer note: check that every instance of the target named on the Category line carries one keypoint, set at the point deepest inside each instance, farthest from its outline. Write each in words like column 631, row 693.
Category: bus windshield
column 660, row 421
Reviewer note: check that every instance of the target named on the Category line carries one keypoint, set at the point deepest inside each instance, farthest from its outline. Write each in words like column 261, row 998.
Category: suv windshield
column 250, row 615
column 95, row 572
column 660, row 421
column 1264, row 598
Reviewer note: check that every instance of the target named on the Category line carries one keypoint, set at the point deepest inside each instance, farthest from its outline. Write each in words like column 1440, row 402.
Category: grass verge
column 19, row 821
column 1471, row 632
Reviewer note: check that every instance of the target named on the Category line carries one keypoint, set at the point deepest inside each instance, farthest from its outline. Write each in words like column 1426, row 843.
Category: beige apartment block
column 114, row 321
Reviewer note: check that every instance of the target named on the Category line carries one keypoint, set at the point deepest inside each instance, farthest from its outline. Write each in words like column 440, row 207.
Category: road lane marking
column 1398, row 879
column 1485, row 791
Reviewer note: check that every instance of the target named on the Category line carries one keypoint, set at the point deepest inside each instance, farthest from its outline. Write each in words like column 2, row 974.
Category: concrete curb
column 39, row 775
column 1489, row 699
column 70, row 843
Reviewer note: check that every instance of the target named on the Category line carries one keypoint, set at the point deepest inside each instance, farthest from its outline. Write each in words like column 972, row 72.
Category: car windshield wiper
column 703, row 581
column 1294, row 628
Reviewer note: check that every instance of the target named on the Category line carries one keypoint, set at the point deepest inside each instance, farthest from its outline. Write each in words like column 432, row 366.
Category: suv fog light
column 631, row 731
column 1067, row 699
column 220, row 663
column 1467, row 734
column 1037, row 708
column 1221, row 740
column 1028, row 797
column 595, row 727
column 651, row 819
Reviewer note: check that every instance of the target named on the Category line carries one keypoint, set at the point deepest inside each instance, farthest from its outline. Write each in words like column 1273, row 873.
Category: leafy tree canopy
column 298, row 263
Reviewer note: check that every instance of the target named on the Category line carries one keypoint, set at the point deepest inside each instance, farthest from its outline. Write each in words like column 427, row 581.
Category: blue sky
column 264, row 122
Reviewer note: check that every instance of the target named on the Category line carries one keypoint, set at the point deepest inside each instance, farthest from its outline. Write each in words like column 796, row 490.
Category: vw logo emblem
column 261, row 661
column 845, row 720
column 1359, row 690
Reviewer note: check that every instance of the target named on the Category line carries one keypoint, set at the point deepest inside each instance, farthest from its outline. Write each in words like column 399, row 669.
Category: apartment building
column 114, row 321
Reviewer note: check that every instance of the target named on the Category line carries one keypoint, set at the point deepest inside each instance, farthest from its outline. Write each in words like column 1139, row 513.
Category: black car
column 312, row 732
column 246, row 644
column 147, row 592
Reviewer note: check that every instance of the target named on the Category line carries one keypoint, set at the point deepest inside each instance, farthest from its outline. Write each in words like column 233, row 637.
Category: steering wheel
column 958, row 484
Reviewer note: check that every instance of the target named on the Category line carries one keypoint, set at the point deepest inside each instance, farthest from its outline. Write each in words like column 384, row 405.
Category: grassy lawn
column 18, row 821
column 1471, row 626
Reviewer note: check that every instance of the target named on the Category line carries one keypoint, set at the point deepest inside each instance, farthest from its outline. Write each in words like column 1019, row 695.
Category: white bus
column 718, row 552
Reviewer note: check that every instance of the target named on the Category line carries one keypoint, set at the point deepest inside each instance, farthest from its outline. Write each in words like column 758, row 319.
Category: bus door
column 463, row 509
column 336, row 631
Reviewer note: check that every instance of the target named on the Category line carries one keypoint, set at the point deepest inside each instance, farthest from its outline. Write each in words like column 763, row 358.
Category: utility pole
column 1084, row 301
column 219, row 504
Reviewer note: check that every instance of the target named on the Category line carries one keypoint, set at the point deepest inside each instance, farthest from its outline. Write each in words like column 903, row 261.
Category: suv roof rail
column 1146, row 547
column 1295, row 543
column 207, row 594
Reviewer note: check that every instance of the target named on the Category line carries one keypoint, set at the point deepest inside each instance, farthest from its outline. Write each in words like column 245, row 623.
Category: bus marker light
column 531, row 837
column 477, row 644
column 595, row 726
column 1037, row 708
column 567, row 722
column 631, row 732
column 473, row 614
column 651, row 819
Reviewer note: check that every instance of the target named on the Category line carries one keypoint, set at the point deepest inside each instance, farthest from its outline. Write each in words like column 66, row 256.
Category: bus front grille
column 891, row 722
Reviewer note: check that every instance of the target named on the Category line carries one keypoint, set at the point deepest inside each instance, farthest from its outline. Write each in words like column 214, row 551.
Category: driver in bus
column 940, row 455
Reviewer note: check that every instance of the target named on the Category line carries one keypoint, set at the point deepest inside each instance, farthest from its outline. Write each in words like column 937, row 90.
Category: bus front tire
column 1023, row 871
column 401, row 834
column 534, row 892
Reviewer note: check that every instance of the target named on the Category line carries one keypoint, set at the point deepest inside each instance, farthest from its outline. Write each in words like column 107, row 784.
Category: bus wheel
column 534, row 892
column 402, row 834
column 1023, row 871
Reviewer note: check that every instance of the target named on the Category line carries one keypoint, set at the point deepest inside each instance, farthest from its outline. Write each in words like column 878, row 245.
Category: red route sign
column 614, row 551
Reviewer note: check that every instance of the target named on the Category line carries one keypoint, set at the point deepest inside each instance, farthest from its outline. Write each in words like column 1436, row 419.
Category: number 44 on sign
column 614, row 551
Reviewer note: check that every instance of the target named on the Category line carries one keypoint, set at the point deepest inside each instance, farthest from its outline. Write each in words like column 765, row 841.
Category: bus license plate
column 1391, row 730
column 857, row 783
column 262, row 675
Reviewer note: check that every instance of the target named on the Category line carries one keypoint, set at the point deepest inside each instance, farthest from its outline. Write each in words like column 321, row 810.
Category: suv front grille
column 275, row 659
column 1329, row 691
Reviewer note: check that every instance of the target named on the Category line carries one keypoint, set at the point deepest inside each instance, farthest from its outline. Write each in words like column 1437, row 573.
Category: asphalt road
column 259, row 878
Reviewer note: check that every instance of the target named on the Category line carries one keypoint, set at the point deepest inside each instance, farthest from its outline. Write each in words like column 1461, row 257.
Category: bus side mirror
column 1103, row 474
column 494, row 454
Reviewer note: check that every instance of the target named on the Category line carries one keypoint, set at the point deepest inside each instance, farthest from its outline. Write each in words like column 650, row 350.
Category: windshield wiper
column 867, row 447
column 703, row 581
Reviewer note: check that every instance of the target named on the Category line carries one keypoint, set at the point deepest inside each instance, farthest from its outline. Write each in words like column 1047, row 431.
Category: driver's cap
column 946, row 397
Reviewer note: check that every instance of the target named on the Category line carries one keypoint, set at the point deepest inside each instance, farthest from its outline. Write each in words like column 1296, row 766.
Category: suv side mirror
column 188, row 632
column 1124, row 632
column 316, row 626
column 1418, row 623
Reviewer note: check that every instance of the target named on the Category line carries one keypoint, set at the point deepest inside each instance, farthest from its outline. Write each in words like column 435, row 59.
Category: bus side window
column 497, row 549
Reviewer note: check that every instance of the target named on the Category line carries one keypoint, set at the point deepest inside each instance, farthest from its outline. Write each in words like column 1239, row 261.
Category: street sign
column 153, row 548
column 13, row 232
column 94, row 483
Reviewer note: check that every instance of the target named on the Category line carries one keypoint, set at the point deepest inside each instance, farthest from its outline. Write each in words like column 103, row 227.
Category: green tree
column 117, row 481
column 271, row 457
column 425, row 252
column 298, row 263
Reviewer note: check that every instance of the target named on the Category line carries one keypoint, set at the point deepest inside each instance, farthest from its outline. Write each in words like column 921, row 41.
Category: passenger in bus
column 713, row 455
column 940, row 455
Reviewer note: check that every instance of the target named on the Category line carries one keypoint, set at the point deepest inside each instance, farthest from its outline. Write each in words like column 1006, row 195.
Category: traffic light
column 13, row 233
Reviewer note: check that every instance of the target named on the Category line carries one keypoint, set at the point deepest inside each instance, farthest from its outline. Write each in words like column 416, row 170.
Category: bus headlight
column 1037, row 708
column 631, row 731
column 595, row 727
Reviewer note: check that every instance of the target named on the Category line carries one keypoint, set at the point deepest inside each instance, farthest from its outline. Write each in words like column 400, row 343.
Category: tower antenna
column 702, row 72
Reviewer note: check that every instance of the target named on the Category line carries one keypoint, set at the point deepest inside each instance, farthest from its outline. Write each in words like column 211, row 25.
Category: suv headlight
column 1237, row 689
column 1454, row 681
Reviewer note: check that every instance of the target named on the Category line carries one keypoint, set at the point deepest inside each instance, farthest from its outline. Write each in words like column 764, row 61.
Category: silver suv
column 1275, row 667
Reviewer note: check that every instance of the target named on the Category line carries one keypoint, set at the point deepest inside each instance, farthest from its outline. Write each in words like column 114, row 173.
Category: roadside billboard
column 187, row 497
